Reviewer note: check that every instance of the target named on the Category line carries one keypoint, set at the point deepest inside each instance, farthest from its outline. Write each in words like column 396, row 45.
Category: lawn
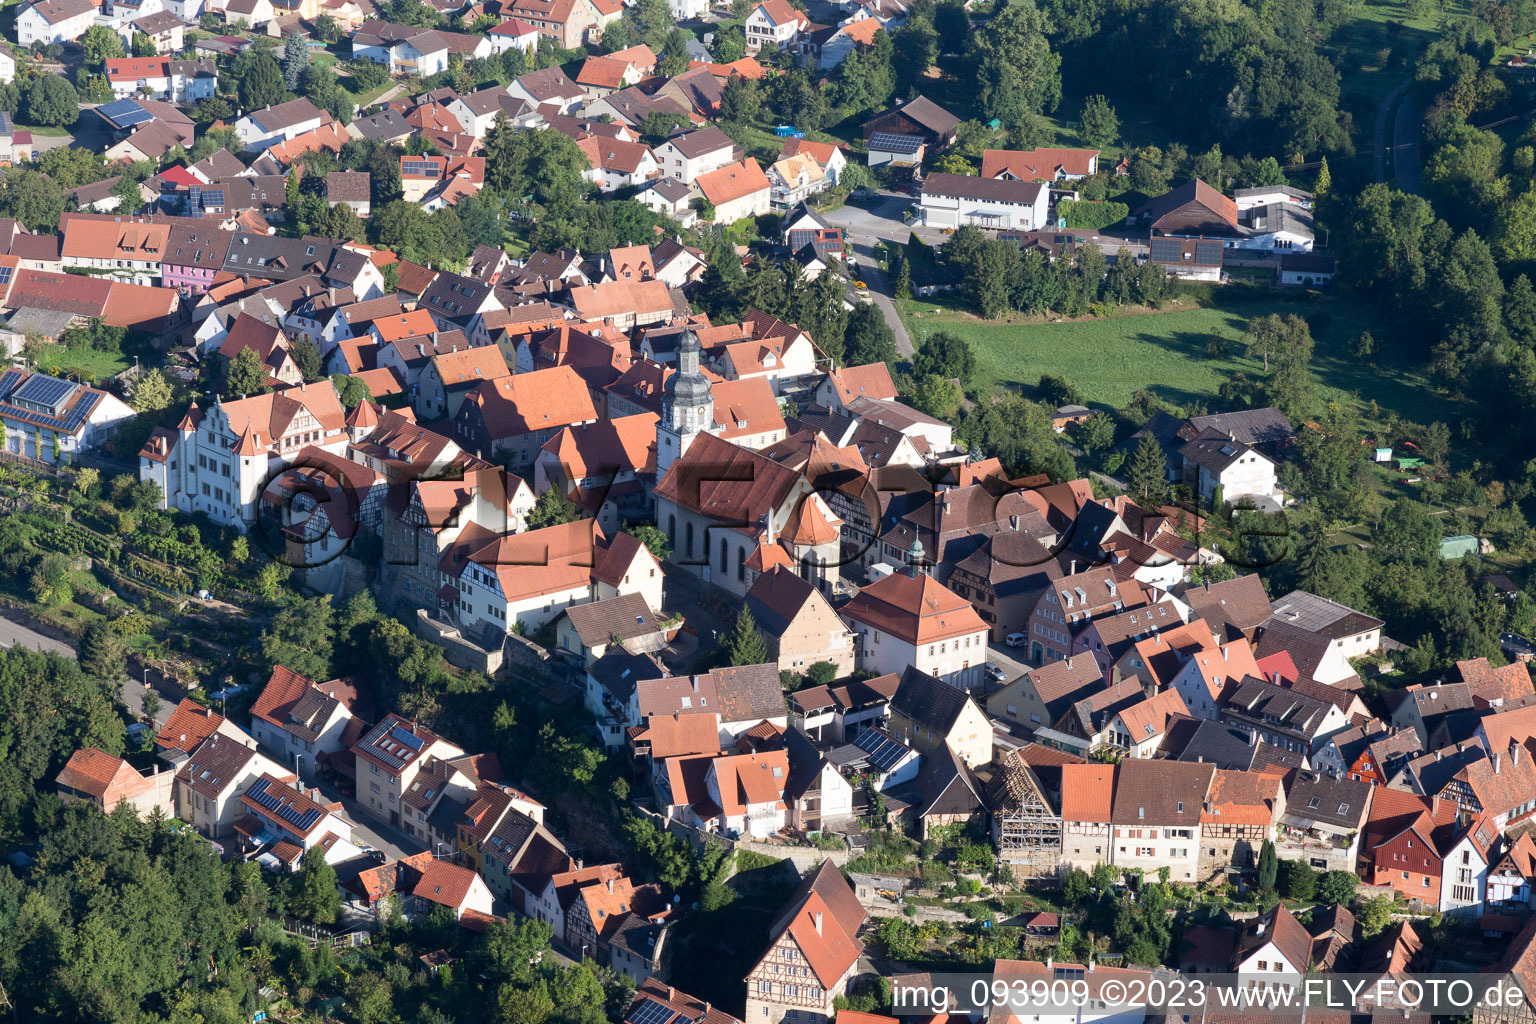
column 86, row 363
column 1107, row 359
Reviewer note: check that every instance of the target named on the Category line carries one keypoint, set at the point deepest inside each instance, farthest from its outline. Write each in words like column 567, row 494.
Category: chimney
column 1253, row 738
column 1498, row 762
column 671, row 993
column 1224, row 653
column 1072, row 571
column 1514, row 752
column 816, row 917
column 610, row 887
column 1050, row 961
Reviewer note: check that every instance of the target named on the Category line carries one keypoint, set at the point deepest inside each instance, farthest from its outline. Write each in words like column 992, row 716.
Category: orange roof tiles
column 445, row 883
column 917, row 609
column 1030, row 164
column 1087, row 792
column 733, row 181
column 414, row 324
column 189, row 725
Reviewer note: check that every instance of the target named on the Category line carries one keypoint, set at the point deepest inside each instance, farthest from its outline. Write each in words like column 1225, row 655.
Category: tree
column 32, row 198
column 1269, row 865
column 326, row 29
column 552, row 508
column 52, row 100
column 102, row 653
column 246, row 374
column 937, row 396
column 129, row 198
column 1017, row 74
column 1374, row 914
column 1288, row 342
column 1435, row 444
column 740, row 100
column 1099, row 125
column 1337, row 887
column 730, row 45
column 1096, row 433
column 1324, row 180
column 655, row 20
column 821, row 673
column 144, row 46
column 295, row 59
column 100, row 44
column 1297, row 880
column 869, row 339
column 1148, row 473
column 350, row 390
column 946, row 355
column 315, row 896
column 151, row 392
column 744, row 645
column 903, row 287
column 261, row 84
column 307, row 355
column 654, row 540
column 86, row 480
column 673, row 59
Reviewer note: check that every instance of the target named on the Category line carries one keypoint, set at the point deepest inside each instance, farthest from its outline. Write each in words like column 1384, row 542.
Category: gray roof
column 276, row 258
column 1322, row 616
column 776, row 598
column 930, row 115
column 386, row 125
column 1279, row 217
column 670, row 189
column 626, row 616
column 998, row 190
column 925, row 699
column 1251, row 426
column 1215, row 451
column 1313, row 796
column 285, row 115
column 548, row 84
column 705, row 140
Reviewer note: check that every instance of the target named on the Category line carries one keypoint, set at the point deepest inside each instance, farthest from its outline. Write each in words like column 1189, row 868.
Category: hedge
column 1081, row 213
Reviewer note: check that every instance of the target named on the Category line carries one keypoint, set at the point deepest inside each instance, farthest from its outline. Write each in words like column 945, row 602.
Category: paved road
column 14, row 634
column 1405, row 146
column 1379, row 145
column 1010, row 659
column 866, row 226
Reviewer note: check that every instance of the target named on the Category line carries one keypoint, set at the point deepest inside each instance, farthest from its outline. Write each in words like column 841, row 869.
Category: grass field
column 1107, row 359
column 86, row 363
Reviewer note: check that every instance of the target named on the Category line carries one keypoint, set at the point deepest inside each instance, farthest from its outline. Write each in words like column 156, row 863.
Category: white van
column 1016, row 639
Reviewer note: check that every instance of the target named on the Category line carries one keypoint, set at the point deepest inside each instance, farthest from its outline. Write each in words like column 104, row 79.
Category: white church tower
column 687, row 406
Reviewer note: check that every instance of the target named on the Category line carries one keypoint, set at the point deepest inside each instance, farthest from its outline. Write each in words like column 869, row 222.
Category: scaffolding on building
column 1026, row 828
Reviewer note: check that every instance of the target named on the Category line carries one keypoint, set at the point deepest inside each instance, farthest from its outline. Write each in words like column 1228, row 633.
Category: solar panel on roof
column 283, row 808
column 43, row 393
column 890, row 142
column 407, row 737
column 5, row 275
column 650, row 1011
column 124, row 113
column 883, row 751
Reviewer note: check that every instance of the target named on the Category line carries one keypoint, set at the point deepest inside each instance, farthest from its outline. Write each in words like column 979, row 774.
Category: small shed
column 1409, row 462
column 1383, row 454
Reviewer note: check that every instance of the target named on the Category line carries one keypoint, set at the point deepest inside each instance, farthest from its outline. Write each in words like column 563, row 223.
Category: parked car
column 1016, row 639
column 997, row 672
